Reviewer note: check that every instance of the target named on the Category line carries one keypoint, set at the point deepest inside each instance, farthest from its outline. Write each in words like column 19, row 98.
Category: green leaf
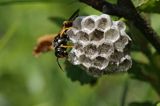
column 57, row 20
column 75, row 73
column 158, row 104
column 138, row 3
column 146, row 103
column 152, row 6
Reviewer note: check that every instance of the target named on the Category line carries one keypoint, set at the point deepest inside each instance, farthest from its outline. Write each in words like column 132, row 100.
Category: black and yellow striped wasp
column 61, row 39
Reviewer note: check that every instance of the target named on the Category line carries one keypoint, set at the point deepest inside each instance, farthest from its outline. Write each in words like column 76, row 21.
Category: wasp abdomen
column 60, row 52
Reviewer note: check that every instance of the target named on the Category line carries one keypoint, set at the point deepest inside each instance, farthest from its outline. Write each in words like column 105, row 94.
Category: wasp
column 60, row 41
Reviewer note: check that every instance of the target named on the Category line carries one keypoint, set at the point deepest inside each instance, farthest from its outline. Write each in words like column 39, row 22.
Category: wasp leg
column 67, row 23
column 63, row 31
column 59, row 64
column 66, row 46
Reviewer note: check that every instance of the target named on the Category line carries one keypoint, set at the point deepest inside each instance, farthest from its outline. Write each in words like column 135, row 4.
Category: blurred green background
column 28, row 81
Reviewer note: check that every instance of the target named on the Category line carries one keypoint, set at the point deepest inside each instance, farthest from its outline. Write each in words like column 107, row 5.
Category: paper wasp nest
column 100, row 45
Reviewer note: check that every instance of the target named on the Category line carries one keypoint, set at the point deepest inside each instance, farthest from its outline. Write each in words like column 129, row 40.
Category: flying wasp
column 60, row 41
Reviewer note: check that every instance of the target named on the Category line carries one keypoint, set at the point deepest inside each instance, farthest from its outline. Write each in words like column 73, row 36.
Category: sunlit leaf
column 138, row 3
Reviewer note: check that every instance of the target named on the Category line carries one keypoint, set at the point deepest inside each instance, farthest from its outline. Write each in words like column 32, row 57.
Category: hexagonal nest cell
column 112, row 35
column 88, row 23
column 99, row 45
column 96, row 35
column 83, row 36
column 105, row 50
column 90, row 50
column 104, row 22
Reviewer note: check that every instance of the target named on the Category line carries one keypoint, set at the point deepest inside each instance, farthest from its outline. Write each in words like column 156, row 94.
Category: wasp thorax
column 99, row 45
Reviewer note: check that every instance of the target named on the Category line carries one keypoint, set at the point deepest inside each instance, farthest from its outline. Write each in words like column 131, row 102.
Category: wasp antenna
column 59, row 65
column 74, row 15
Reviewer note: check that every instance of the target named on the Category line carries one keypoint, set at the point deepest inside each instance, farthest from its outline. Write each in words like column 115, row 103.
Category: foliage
column 27, row 81
column 151, row 6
